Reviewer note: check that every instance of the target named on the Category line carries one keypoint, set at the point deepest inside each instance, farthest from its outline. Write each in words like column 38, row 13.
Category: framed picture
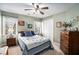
column 21, row 23
column 59, row 24
column 77, row 18
column 29, row 26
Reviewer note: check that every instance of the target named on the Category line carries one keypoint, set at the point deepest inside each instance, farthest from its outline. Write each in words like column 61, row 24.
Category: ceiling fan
column 36, row 8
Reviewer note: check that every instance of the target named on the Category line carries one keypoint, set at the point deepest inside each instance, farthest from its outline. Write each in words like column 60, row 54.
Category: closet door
column 47, row 28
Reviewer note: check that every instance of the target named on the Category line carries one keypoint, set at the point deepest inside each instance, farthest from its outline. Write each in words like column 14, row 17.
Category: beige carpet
column 15, row 50
column 50, row 52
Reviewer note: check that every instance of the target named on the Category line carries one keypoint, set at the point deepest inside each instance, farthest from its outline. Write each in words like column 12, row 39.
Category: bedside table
column 11, row 41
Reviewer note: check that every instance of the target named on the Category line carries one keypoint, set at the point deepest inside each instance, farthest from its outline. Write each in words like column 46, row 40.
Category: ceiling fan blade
column 44, row 8
column 28, row 9
column 41, row 12
column 33, row 4
column 37, row 6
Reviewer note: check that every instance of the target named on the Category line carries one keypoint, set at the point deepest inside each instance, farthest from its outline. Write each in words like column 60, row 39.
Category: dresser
column 11, row 41
column 69, row 42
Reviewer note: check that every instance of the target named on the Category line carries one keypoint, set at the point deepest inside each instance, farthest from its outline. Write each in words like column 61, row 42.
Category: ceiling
column 18, row 8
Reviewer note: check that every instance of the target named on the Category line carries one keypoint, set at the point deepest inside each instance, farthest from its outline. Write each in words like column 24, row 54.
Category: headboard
column 27, row 33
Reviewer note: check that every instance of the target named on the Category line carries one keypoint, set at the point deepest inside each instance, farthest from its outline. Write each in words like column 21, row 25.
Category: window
column 38, row 27
column 8, row 27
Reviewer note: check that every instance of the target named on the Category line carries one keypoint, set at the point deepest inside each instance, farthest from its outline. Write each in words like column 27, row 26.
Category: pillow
column 32, row 32
column 28, row 33
column 22, row 33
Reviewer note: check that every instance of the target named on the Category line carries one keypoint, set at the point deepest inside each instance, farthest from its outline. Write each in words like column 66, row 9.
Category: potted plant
column 66, row 25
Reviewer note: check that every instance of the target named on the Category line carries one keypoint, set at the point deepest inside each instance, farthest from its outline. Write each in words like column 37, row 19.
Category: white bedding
column 34, row 41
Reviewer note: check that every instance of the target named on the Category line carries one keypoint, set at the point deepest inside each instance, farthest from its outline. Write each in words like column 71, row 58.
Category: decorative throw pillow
column 22, row 33
column 32, row 32
column 28, row 33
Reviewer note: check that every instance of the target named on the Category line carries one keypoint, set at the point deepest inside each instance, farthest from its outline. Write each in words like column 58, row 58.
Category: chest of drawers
column 11, row 41
column 69, row 43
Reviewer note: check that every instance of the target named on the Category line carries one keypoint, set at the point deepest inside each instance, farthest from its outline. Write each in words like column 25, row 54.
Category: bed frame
column 34, row 50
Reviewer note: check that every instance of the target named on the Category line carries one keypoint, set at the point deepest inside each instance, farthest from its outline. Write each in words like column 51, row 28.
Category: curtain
column 47, row 28
column 9, row 25
column 0, row 29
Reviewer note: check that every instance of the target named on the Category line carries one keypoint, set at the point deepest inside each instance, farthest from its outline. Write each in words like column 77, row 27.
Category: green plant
column 65, row 24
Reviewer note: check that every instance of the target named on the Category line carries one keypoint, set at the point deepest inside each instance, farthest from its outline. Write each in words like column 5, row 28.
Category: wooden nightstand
column 11, row 41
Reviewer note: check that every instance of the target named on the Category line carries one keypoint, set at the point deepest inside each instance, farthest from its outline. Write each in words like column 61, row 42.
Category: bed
column 33, row 44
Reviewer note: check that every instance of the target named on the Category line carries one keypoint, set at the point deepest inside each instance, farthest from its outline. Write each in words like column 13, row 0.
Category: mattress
column 33, row 41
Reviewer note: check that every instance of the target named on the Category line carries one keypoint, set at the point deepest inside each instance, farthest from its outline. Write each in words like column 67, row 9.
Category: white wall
column 70, row 14
column 47, row 28
column 58, row 18
column 28, row 20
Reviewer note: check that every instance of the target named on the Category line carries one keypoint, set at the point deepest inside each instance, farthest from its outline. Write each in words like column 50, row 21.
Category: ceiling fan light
column 38, row 11
column 34, row 11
